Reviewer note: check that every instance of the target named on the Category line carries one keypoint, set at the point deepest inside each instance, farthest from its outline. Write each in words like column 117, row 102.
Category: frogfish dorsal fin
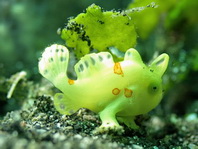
column 133, row 55
column 93, row 64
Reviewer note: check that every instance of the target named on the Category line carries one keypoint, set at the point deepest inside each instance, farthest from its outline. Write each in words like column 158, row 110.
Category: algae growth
column 98, row 29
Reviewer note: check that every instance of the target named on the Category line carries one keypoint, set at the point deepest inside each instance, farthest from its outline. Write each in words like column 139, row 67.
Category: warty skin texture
column 116, row 91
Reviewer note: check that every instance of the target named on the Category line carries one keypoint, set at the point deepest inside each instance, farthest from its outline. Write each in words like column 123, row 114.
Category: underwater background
column 27, row 115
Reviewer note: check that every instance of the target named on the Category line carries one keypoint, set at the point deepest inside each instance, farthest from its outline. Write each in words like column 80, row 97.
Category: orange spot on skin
column 115, row 91
column 128, row 93
column 118, row 69
column 71, row 82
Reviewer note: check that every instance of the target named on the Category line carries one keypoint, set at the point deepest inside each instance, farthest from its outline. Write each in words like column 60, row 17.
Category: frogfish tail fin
column 54, row 62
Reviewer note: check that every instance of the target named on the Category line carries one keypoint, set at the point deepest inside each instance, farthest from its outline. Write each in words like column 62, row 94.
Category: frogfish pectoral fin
column 63, row 105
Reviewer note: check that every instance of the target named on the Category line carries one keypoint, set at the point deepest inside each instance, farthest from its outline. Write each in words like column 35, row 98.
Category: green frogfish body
column 117, row 91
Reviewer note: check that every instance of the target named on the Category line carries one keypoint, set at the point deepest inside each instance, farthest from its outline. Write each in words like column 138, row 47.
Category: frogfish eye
column 153, row 88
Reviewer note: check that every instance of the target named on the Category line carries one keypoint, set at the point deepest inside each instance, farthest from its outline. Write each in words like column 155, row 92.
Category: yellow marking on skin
column 118, row 69
column 71, row 82
column 116, row 91
column 128, row 93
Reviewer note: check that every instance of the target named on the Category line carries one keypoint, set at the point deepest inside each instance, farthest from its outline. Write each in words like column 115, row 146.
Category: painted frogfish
column 117, row 91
